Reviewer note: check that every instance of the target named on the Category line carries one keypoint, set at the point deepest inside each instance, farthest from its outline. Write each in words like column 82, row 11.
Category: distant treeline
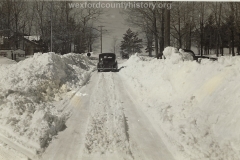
column 72, row 28
column 205, row 25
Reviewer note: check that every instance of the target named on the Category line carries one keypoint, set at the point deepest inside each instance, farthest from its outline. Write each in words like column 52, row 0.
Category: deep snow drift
column 196, row 105
column 29, row 90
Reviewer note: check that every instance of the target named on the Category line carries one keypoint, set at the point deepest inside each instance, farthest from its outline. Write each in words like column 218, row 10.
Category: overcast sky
column 115, row 25
column 113, row 21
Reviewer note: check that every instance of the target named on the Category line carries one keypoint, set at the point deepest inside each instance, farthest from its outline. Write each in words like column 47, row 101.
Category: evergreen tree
column 131, row 43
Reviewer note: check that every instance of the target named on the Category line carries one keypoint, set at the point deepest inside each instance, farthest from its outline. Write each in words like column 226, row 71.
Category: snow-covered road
column 107, row 123
column 59, row 107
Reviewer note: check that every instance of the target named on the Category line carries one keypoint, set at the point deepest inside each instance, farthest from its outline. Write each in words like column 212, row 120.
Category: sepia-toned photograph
column 119, row 80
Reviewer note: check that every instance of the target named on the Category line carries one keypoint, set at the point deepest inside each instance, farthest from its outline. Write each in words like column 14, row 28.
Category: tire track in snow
column 124, row 120
column 107, row 134
column 145, row 142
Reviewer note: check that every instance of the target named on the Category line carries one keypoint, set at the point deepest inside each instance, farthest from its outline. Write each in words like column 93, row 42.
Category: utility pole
column 101, row 36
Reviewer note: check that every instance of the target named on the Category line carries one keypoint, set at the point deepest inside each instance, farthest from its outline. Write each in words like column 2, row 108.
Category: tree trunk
column 238, row 48
column 221, row 50
column 232, row 33
column 190, row 37
column 201, row 39
column 201, row 28
column 167, row 28
column 162, row 33
column 149, row 36
column 221, row 45
column 217, row 49
column 179, row 29
column 229, row 48
column 16, row 30
column 155, row 33
column 218, row 29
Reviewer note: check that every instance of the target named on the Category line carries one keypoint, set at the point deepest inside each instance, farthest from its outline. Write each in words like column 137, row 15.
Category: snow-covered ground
column 4, row 60
column 57, row 107
column 195, row 105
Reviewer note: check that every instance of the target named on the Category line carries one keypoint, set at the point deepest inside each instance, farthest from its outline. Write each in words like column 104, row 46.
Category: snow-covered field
column 56, row 107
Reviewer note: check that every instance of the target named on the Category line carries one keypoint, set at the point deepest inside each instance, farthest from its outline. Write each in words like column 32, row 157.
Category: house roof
column 25, row 37
column 32, row 38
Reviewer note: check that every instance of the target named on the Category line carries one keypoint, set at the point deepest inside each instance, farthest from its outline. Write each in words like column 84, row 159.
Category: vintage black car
column 107, row 62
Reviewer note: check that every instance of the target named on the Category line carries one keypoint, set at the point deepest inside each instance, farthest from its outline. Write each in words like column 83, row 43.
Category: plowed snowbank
column 28, row 89
column 196, row 105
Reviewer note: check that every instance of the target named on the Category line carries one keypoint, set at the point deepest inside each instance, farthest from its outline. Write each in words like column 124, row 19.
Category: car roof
column 113, row 55
column 107, row 54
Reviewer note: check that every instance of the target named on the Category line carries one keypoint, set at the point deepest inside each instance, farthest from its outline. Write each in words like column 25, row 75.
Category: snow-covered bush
column 175, row 55
column 172, row 54
column 169, row 51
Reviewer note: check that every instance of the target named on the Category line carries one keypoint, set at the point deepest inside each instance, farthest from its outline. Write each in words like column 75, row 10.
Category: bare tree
column 114, row 44
column 147, row 20
column 177, row 23
column 216, row 8
column 29, row 17
column 232, row 23
column 237, row 22
column 41, row 19
column 167, row 28
column 84, row 18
